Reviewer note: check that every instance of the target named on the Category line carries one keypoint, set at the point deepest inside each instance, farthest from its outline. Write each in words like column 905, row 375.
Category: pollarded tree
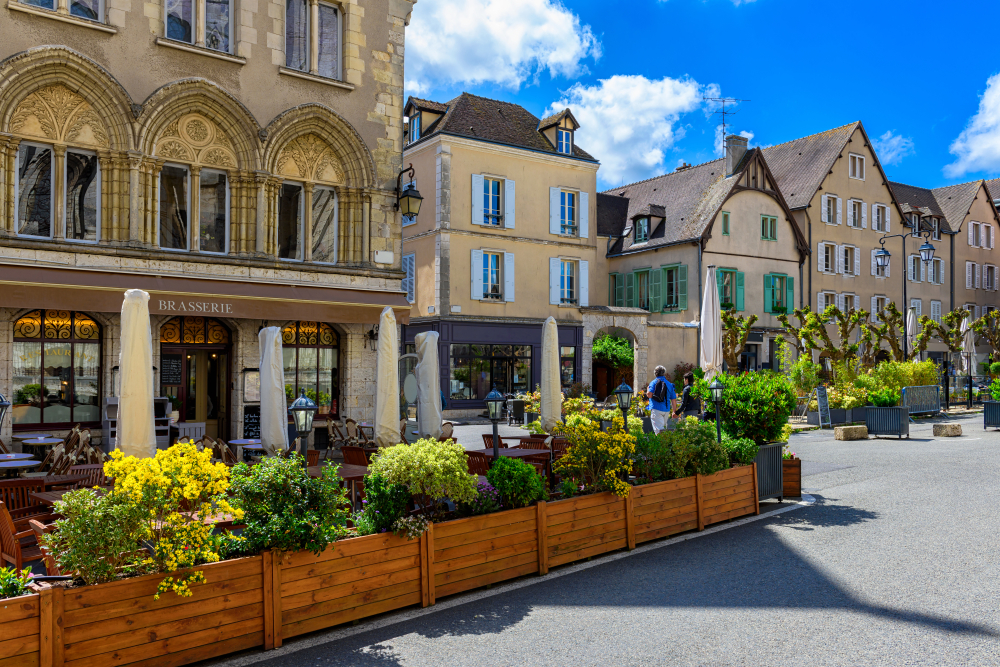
column 987, row 328
column 734, row 338
column 949, row 329
column 813, row 332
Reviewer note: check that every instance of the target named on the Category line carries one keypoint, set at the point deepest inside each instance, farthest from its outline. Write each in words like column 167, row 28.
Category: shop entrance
column 195, row 370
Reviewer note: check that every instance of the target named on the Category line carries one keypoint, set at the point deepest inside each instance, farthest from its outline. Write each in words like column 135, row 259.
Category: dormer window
column 641, row 230
column 414, row 128
column 936, row 229
column 564, row 142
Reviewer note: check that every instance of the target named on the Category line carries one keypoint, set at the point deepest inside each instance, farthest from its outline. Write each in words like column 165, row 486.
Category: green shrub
column 14, row 583
column 786, row 433
column 613, row 351
column 886, row 397
column 898, row 374
column 741, row 450
column 995, row 368
column 756, row 405
column 430, row 470
column 695, row 449
column 535, row 428
column 804, row 374
column 995, row 389
column 487, row 501
column 286, row 510
column 653, row 456
column 516, row 482
column 384, row 504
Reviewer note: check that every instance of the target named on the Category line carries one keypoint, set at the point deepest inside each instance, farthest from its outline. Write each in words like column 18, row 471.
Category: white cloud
column 892, row 148
column 629, row 122
column 506, row 42
column 978, row 146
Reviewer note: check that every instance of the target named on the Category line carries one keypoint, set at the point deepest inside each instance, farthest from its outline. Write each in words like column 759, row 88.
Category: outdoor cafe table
column 8, row 467
column 351, row 474
column 41, row 442
column 30, row 436
column 16, row 457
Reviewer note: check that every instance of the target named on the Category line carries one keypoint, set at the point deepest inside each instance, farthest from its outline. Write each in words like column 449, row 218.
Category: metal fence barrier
column 922, row 399
column 770, row 480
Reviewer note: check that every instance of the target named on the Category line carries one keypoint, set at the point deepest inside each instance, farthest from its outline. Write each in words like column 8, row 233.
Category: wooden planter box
column 728, row 494
column 792, row 477
column 20, row 639
column 578, row 528
column 662, row 509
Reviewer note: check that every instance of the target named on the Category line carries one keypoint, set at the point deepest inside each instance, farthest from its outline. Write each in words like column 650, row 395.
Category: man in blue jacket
column 661, row 393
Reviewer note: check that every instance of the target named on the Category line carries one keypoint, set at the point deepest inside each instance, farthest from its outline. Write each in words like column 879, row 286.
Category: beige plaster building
column 508, row 240
column 237, row 159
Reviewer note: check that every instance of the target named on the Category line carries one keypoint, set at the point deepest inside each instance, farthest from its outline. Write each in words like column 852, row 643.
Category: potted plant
column 791, row 470
column 886, row 416
column 991, row 409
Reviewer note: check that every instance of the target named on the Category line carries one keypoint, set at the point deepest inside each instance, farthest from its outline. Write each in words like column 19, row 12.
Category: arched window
column 311, row 352
column 57, row 369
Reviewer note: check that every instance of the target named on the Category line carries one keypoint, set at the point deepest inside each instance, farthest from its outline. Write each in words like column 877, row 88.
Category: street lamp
column 408, row 200
column 717, row 389
column 494, row 404
column 623, row 394
column 926, row 256
column 303, row 411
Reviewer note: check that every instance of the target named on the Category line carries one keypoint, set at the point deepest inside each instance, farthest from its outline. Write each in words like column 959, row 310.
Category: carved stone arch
column 194, row 120
column 315, row 139
column 596, row 318
column 55, row 94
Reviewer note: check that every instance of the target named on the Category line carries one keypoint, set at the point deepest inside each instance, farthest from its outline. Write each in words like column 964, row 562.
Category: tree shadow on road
column 833, row 514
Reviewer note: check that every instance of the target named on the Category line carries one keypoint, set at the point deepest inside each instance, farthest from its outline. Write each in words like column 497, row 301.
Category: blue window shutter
column 682, row 287
column 789, row 294
column 739, row 290
column 584, row 214
column 509, row 203
column 630, row 290
column 477, row 199
column 555, row 206
column 767, row 293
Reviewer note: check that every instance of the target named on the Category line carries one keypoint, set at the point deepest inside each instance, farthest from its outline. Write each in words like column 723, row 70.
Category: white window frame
column 17, row 191
column 565, row 222
column 849, row 264
column 878, row 218
column 100, row 175
column 500, row 276
column 564, row 141
column 938, row 317
column 302, row 224
column 879, row 307
column 856, row 213
column 199, row 18
column 490, row 220
column 934, row 271
column 101, row 12
column 855, row 160
column 827, row 295
column 830, row 251
column 414, row 128
column 573, row 298
column 936, row 229
column 991, row 271
column 411, row 277
column 159, row 186
column 844, row 296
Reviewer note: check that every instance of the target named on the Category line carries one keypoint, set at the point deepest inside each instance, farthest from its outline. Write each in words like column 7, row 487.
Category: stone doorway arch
column 596, row 318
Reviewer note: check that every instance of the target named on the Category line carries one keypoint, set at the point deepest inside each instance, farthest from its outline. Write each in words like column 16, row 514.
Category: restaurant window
column 301, row 31
column 56, row 369
column 311, row 359
column 34, row 191
column 290, row 208
column 567, row 366
column 174, row 206
column 324, row 225
column 181, row 24
column 213, row 223
column 475, row 369
column 36, row 205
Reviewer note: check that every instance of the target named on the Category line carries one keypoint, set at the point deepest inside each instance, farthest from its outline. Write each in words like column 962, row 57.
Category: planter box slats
column 347, row 586
column 343, row 549
column 579, row 550
column 738, row 486
column 578, row 528
column 199, row 653
column 483, row 535
column 350, row 603
column 487, row 579
column 674, row 491
column 662, row 509
column 474, row 523
column 25, row 660
column 369, row 572
column 792, row 478
column 671, row 513
column 574, row 504
column 557, row 531
column 665, row 527
column 687, row 500
column 527, row 557
column 339, row 563
column 527, row 542
column 17, row 646
column 361, row 611
column 442, row 556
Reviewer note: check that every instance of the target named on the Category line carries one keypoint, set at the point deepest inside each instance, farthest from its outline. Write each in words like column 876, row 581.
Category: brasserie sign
column 202, row 307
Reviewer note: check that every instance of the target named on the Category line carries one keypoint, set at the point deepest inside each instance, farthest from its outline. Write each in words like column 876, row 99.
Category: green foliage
column 995, row 368
column 516, row 482
column 756, row 405
column 286, row 510
column 695, row 449
column 99, row 536
column 995, row 389
column 26, row 393
column 384, row 504
column 680, row 370
column 884, row 397
column 786, row 433
column 613, row 351
column 804, row 374
column 653, row 456
column 568, row 488
column 535, row 428
column 14, row 583
column 898, row 374
column 487, row 500
column 429, row 469
column 741, row 450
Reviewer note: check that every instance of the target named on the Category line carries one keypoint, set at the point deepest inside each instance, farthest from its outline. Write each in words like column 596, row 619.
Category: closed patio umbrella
column 428, row 385
column 551, row 395
column 273, row 405
column 968, row 347
column 136, row 432
column 387, row 381
column 911, row 328
column 711, row 328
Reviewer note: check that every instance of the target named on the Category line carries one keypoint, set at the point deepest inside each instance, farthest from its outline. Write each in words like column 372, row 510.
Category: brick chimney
column 736, row 148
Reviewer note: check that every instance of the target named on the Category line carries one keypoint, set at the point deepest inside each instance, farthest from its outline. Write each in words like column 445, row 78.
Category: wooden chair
column 16, row 547
column 479, row 463
column 447, row 428
column 337, row 436
column 354, row 434
column 354, row 455
column 225, row 453
column 312, row 457
column 51, row 567
column 16, row 496
column 94, row 473
column 402, row 431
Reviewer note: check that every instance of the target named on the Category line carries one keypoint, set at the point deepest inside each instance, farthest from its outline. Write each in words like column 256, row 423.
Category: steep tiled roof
column 993, row 185
column 800, row 165
column 951, row 202
column 426, row 104
column 549, row 121
column 492, row 120
column 612, row 211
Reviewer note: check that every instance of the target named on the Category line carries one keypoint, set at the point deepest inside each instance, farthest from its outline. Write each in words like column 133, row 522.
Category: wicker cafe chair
column 479, row 463
column 337, row 436
column 17, row 545
column 402, row 431
column 447, row 428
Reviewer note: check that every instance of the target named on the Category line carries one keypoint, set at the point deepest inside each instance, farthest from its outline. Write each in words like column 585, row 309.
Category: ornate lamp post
column 623, row 394
column 882, row 260
column 303, row 411
column 494, row 404
column 408, row 200
column 717, row 389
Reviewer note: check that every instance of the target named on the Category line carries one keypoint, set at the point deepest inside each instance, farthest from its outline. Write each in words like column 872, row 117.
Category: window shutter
column 923, row 269
column 970, row 234
column 554, row 222
column 839, row 298
column 989, row 236
column 739, row 290
column 682, row 287
column 585, row 215
column 477, row 202
column 968, row 275
column 619, row 289
column 909, row 268
column 789, row 294
column 718, row 285
column 976, row 270
column 554, row 266
column 509, row 204
column 767, row 293
column 655, row 302
column 864, row 215
column 477, row 275
column 629, row 290
column 975, row 312
column 885, row 223
column 936, row 311
column 888, row 268
column 409, row 269
column 857, row 261
column 841, row 259
column 850, row 212
column 584, row 299
column 874, row 272
column 821, row 257
column 941, row 272
column 874, row 309
column 822, row 208
column 839, row 218
column 508, row 277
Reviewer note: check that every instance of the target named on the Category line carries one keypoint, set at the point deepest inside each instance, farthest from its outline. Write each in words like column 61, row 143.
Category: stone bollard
column 947, row 430
column 850, row 433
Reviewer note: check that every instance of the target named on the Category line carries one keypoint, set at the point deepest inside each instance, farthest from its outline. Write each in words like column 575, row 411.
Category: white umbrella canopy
column 428, row 385
column 911, row 327
column 711, row 328
column 136, row 433
column 968, row 347
column 273, row 407
column 387, row 381
column 550, row 408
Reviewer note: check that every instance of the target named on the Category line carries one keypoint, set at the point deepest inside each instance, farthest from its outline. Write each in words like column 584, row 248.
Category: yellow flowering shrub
column 596, row 460
column 175, row 492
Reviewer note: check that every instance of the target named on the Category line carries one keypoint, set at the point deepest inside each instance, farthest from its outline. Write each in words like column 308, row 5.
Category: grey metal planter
column 530, row 417
column 837, row 416
column 888, row 421
column 647, row 424
column 770, row 479
column 857, row 414
column 991, row 414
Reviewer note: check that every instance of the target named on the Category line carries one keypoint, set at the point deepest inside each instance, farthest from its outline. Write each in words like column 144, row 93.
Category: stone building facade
column 236, row 160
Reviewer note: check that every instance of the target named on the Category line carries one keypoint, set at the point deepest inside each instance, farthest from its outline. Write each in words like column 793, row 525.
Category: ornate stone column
column 135, row 196
column 307, row 222
column 59, row 194
column 194, row 215
column 260, row 180
column 314, row 36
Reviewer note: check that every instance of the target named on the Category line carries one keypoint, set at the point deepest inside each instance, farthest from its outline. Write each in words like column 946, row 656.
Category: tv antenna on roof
column 722, row 111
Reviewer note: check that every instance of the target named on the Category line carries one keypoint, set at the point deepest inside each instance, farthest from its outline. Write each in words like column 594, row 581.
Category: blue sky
column 634, row 77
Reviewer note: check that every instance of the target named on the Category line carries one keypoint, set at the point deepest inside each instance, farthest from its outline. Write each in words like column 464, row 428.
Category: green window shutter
column 789, row 294
column 612, row 280
column 630, row 290
column 719, row 280
column 619, row 289
column 767, row 293
column 739, row 290
column 682, row 287
column 655, row 304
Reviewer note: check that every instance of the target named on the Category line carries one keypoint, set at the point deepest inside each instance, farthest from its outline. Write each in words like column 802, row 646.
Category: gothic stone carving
column 310, row 158
column 194, row 138
column 58, row 114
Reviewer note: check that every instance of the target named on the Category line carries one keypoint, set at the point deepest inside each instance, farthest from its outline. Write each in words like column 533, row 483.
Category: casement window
column 856, row 167
column 936, row 229
column 569, row 213
column 569, row 282
column 779, row 293
column 989, row 277
column 973, row 310
column 916, row 270
column 675, row 296
column 830, row 209
column 917, row 306
column 848, row 302
column 878, row 305
column 415, row 128
column 92, row 10
column 986, row 232
column 308, row 22
column 857, row 214
column 213, row 212
column 731, row 288
column 616, row 289
column 493, row 201
column 492, row 214
column 38, row 173
column 768, row 228
column 850, row 260
column 214, row 32
column 936, row 311
column 567, row 366
column 827, row 257
column 564, row 141
column 974, row 236
column 175, row 203
column 971, row 275
column 492, row 276
column 641, row 230
column 409, row 268
column 937, row 271
column 880, row 271
column 322, row 226
column 291, row 219
column 642, row 289
column 824, row 300
column 880, row 218
column 725, row 223
column 915, row 224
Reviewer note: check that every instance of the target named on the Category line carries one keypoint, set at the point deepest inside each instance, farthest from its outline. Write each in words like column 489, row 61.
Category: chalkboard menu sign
column 824, row 407
column 251, row 421
column 171, row 366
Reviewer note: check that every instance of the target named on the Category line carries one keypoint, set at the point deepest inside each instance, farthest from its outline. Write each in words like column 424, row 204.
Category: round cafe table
column 246, row 442
column 12, row 468
column 30, row 436
column 41, row 442
column 16, row 457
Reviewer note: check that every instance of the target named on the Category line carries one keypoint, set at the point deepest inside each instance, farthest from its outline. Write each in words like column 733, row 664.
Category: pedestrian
column 662, row 399
column 689, row 405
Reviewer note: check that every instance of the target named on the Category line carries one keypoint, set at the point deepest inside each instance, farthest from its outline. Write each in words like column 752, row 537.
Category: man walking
column 661, row 392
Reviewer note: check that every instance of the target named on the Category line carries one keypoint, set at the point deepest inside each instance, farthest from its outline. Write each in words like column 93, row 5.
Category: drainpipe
column 809, row 226
column 951, row 305
column 698, row 342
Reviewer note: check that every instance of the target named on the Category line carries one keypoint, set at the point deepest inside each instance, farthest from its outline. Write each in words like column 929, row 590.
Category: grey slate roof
column 612, row 211
column 951, row 202
column 492, row 120
column 993, row 187
column 426, row 104
column 800, row 165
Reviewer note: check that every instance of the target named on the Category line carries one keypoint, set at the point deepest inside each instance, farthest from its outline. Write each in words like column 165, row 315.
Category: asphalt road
column 894, row 564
